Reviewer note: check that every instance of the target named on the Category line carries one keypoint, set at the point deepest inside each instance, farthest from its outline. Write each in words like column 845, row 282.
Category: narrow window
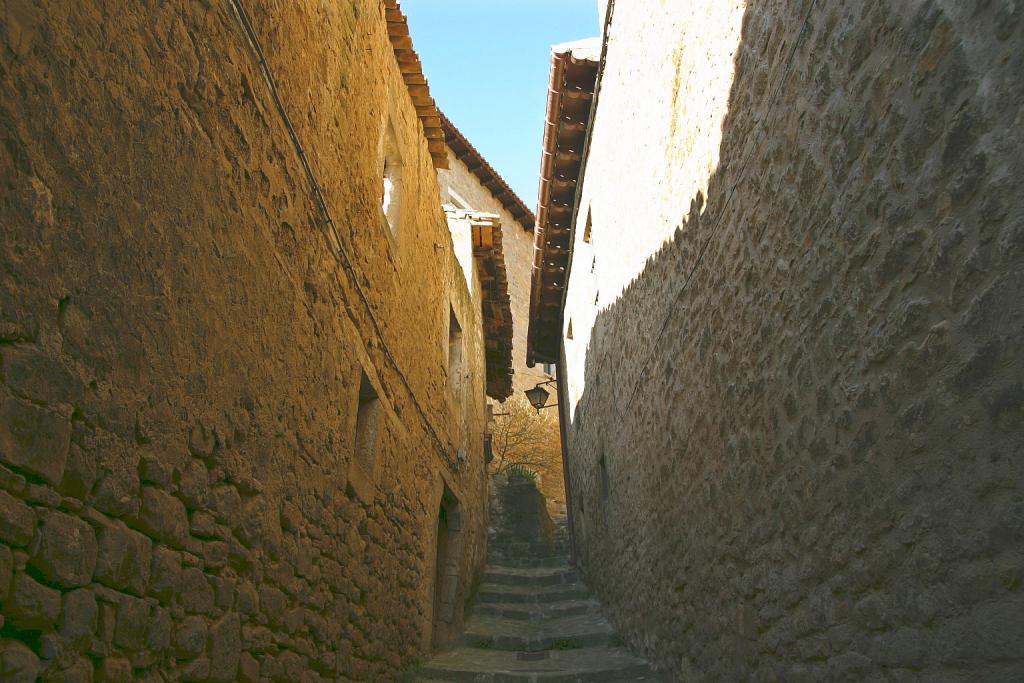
column 488, row 448
column 586, row 229
column 366, row 425
column 568, row 334
column 604, row 478
column 454, row 352
column 392, row 181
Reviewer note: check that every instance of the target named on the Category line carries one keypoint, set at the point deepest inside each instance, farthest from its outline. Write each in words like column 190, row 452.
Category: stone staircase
column 533, row 619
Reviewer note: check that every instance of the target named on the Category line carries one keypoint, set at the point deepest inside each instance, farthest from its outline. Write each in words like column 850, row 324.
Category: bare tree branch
column 524, row 437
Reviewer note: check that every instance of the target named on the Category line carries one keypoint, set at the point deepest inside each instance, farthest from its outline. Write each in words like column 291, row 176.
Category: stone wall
column 796, row 359
column 182, row 348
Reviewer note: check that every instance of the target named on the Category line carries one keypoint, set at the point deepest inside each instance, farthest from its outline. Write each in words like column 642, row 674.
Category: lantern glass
column 537, row 397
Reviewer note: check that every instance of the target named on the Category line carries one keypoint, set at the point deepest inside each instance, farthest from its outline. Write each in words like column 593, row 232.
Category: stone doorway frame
column 449, row 541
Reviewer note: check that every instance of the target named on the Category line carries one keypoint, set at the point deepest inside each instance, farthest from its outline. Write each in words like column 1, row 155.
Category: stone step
column 518, row 541
column 496, row 592
column 513, row 562
column 542, row 576
column 564, row 633
column 528, row 547
column 534, row 612
column 513, row 533
column 536, row 554
column 532, row 554
column 589, row 664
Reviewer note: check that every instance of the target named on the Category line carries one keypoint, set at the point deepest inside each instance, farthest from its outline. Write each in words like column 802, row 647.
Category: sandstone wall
column 182, row 350
column 796, row 362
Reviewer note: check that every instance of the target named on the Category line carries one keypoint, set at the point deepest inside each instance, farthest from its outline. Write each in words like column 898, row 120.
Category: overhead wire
column 317, row 193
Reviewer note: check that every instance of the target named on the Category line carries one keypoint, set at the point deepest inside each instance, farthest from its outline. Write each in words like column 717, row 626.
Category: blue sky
column 487, row 65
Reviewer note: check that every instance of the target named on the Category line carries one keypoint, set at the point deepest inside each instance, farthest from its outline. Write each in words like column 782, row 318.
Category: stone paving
column 533, row 618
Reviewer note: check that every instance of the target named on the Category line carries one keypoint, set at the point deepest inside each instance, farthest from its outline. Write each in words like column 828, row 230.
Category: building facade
column 243, row 405
column 785, row 300
column 470, row 183
column 472, row 191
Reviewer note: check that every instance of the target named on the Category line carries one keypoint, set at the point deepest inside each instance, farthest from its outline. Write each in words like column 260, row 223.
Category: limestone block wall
column 182, row 350
column 796, row 360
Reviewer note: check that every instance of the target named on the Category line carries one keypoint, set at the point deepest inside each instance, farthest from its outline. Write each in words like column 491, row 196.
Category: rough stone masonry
column 183, row 353
column 796, row 367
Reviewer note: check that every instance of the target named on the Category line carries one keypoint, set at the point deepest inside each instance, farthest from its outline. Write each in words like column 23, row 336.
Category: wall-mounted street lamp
column 538, row 396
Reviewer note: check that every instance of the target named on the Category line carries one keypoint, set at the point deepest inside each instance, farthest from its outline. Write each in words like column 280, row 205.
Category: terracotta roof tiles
column 466, row 153
column 416, row 83
column 570, row 95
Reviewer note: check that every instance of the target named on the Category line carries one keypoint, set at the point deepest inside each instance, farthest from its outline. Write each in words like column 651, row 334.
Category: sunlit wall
column 655, row 139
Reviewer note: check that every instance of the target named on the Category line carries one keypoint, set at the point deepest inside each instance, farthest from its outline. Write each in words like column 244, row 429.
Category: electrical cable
column 318, row 197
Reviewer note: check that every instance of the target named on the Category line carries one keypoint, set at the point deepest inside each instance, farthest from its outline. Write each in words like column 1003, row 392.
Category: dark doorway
column 446, row 575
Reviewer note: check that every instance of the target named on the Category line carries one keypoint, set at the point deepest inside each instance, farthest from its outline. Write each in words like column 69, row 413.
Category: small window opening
column 392, row 181
column 604, row 478
column 586, row 229
column 366, row 424
column 568, row 334
column 454, row 352
column 488, row 448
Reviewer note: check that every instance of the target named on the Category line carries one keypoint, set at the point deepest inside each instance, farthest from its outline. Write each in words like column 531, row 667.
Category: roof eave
column 465, row 152
column 415, row 82
column 568, row 110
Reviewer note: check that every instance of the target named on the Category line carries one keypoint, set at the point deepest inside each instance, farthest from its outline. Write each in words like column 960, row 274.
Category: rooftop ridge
column 465, row 152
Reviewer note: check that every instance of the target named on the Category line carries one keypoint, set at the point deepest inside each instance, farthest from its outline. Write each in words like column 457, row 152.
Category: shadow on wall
column 798, row 448
column 667, row 80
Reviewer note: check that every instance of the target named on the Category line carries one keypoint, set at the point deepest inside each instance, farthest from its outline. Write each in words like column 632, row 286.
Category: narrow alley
column 533, row 618
column 370, row 341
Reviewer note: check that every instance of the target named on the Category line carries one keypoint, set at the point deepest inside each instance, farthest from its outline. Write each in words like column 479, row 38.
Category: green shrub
column 521, row 471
